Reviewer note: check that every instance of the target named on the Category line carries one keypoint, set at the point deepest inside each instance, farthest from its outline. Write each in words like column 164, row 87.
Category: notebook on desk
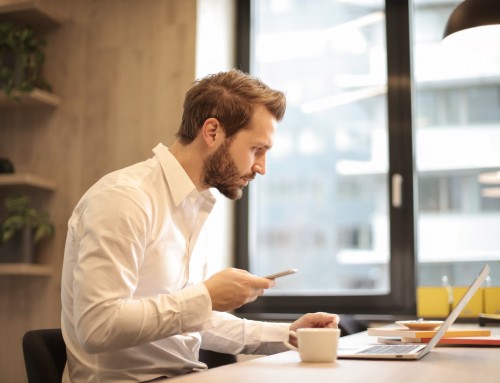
column 413, row 351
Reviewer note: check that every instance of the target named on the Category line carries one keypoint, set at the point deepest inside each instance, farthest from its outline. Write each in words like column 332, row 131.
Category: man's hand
column 314, row 320
column 232, row 288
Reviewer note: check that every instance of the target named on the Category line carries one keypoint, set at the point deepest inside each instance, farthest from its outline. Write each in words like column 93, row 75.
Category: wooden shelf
column 36, row 97
column 29, row 12
column 26, row 269
column 26, row 179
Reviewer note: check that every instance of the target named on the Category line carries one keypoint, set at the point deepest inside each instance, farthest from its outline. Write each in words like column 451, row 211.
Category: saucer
column 420, row 325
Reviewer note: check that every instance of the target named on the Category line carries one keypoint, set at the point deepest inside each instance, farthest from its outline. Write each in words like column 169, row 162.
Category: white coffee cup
column 316, row 344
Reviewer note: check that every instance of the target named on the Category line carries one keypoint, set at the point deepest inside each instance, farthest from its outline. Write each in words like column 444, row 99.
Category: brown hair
column 230, row 97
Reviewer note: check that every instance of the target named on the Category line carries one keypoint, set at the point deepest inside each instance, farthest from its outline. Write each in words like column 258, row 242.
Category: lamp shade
column 475, row 24
column 472, row 14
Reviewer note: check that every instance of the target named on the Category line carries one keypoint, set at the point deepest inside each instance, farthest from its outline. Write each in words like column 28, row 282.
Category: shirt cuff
column 196, row 308
column 275, row 332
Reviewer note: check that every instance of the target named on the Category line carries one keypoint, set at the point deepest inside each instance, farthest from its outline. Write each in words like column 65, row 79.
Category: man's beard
column 220, row 172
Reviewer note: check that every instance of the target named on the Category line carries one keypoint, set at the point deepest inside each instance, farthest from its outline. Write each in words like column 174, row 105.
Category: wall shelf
column 29, row 12
column 25, row 269
column 36, row 97
column 26, row 179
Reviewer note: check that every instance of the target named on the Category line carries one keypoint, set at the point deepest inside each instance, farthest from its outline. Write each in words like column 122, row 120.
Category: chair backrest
column 44, row 355
column 350, row 325
column 215, row 359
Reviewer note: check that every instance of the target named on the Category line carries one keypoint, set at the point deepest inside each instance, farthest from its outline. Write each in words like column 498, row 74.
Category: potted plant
column 21, row 59
column 21, row 228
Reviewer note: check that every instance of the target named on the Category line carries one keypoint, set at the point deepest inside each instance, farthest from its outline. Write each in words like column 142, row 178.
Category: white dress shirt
column 134, row 307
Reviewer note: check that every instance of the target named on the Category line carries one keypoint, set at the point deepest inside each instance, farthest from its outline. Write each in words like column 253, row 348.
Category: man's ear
column 211, row 131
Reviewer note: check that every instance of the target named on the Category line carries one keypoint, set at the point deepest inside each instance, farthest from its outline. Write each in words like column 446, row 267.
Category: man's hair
column 230, row 97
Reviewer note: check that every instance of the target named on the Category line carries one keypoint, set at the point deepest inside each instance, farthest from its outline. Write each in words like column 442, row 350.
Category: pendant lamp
column 474, row 26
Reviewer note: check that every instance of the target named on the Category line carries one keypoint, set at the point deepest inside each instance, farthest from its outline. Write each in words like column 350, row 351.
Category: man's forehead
column 256, row 136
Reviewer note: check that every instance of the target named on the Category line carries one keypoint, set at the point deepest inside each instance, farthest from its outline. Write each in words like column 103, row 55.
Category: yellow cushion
column 432, row 302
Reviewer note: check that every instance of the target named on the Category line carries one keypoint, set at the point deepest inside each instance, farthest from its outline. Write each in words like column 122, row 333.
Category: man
column 136, row 302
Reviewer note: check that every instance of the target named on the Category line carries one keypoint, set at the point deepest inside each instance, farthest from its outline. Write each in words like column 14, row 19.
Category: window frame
column 401, row 300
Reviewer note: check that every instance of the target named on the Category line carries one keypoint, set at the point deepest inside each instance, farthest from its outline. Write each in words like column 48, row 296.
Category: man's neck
column 191, row 159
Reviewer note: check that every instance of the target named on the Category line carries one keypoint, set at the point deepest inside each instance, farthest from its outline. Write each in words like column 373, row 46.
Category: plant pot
column 18, row 249
column 12, row 67
column 6, row 166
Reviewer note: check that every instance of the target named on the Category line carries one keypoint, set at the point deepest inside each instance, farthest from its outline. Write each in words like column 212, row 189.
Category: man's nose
column 260, row 166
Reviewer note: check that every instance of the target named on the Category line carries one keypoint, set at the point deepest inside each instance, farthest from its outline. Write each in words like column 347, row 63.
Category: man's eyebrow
column 265, row 146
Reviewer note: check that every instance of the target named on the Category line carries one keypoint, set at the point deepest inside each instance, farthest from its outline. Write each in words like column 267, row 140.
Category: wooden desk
column 442, row 364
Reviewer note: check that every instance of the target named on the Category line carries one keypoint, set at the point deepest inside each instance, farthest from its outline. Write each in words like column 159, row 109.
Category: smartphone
column 281, row 274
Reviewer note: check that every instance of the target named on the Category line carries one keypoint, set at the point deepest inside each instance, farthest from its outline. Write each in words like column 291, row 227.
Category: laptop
column 412, row 351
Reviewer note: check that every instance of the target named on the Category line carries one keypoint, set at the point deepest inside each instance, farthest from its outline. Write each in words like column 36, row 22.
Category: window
column 337, row 199
column 457, row 138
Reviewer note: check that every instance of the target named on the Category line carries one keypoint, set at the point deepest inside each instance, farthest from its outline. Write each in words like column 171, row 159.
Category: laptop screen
column 459, row 307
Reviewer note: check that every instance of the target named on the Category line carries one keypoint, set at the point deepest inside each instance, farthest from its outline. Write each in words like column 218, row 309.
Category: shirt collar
column 178, row 181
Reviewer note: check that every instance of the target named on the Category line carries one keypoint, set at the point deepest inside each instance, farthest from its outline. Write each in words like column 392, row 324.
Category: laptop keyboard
column 390, row 349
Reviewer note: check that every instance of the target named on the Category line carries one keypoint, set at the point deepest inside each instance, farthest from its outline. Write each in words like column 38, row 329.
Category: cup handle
column 287, row 344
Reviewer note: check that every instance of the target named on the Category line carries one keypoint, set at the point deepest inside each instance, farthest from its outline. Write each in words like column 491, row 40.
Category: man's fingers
column 255, row 293
column 231, row 288
column 263, row 283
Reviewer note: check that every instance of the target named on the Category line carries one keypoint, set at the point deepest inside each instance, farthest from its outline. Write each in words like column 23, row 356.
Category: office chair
column 44, row 355
column 215, row 359
column 349, row 325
